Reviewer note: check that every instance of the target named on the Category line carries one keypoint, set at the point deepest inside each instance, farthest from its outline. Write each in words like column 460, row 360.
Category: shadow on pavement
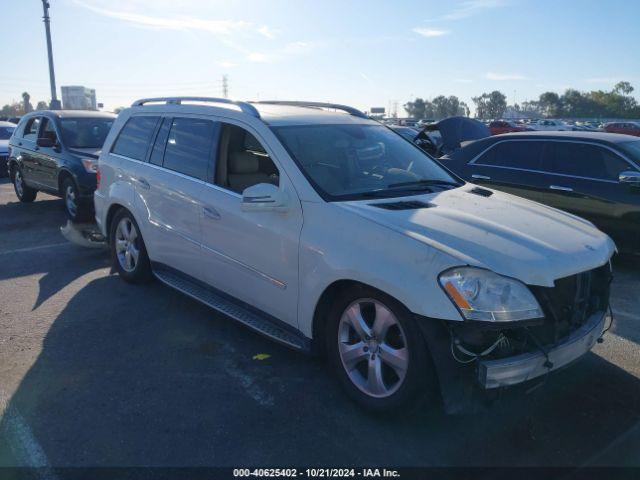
column 141, row 375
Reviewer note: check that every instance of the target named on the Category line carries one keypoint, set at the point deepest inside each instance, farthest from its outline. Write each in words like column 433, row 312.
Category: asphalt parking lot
column 96, row 372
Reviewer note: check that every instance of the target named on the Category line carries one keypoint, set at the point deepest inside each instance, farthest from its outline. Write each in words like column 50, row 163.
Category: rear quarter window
column 135, row 137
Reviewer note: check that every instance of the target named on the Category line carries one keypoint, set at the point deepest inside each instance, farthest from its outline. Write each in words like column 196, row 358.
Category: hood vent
column 481, row 191
column 406, row 205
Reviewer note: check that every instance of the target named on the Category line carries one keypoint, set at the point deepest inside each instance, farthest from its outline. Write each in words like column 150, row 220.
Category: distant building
column 78, row 98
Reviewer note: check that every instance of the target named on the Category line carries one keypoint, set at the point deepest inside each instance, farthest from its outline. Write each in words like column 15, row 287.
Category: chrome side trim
column 474, row 160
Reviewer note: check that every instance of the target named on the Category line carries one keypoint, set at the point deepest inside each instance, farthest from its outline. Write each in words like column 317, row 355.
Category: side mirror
column 630, row 177
column 45, row 142
column 264, row 197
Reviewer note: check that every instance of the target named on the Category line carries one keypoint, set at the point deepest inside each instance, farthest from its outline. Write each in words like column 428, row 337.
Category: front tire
column 377, row 351
column 78, row 210
column 24, row 193
column 128, row 252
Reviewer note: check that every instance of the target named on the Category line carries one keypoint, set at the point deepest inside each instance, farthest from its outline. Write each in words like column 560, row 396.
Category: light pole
column 55, row 103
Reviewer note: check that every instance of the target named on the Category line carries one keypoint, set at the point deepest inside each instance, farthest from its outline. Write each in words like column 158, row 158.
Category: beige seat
column 244, row 171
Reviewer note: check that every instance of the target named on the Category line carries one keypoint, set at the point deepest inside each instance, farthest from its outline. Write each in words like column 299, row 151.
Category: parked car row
column 332, row 234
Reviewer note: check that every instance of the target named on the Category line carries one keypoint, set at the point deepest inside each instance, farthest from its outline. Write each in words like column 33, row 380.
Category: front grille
column 570, row 302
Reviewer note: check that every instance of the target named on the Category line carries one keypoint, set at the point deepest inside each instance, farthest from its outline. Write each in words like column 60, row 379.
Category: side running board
column 260, row 323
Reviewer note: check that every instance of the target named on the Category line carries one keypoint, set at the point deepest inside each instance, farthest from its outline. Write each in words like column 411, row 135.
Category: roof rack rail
column 244, row 106
column 345, row 108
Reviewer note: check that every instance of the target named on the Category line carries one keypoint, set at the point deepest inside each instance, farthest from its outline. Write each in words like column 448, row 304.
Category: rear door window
column 583, row 160
column 31, row 129
column 525, row 155
column 190, row 146
column 135, row 137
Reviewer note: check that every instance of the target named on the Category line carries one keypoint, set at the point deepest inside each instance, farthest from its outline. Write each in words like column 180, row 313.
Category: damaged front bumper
column 513, row 370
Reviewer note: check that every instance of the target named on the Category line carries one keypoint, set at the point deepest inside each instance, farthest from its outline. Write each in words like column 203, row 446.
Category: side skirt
column 249, row 316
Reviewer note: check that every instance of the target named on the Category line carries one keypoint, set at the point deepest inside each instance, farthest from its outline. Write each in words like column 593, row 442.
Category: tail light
column 98, row 177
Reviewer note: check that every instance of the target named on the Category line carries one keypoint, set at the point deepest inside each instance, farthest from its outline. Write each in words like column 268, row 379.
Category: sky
column 368, row 53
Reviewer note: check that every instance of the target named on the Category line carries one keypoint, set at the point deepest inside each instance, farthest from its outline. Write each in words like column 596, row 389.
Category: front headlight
column 486, row 296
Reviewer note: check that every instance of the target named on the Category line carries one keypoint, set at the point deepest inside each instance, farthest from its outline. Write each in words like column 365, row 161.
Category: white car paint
column 282, row 262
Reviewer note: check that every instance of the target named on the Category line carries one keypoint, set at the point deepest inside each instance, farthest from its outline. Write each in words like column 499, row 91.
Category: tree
column 415, row 109
column 623, row 88
column 26, row 104
column 550, row 104
column 438, row 108
column 490, row 105
column 42, row 105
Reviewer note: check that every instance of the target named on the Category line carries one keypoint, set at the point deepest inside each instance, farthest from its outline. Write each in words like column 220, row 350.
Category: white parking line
column 22, row 441
column 31, row 249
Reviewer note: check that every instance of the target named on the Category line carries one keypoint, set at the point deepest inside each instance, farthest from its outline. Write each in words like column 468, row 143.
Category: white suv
column 329, row 232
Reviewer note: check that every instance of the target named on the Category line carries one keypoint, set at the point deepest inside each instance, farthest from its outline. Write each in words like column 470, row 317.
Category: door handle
column 480, row 177
column 143, row 183
column 562, row 189
column 211, row 212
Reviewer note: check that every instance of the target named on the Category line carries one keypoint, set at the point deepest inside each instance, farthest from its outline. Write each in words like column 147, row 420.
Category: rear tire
column 78, row 209
column 377, row 352
column 128, row 252
column 24, row 193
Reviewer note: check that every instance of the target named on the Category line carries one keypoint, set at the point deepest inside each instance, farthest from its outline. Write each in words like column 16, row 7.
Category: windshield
column 6, row 132
column 85, row 132
column 359, row 161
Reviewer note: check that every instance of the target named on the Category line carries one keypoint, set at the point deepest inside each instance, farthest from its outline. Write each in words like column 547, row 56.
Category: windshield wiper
column 425, row 182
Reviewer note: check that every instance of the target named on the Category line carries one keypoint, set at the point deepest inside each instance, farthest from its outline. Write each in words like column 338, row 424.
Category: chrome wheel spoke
column 396, row 358
column 353, row 354
column 376, row 358
column 356, row 320
column 127, row 260
column 134, row 255
column 375, row 383
column 384, row 319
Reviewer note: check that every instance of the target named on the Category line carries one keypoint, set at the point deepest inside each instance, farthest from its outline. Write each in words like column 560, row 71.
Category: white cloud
column 227, row 64
column 504, row 76
column 430, row 32
column 470, row 8
column 462, row 80
column 295, row 48
column 258, row 57
column 268, row 32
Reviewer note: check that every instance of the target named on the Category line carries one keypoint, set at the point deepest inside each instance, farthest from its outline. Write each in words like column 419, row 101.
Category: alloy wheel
column 70, row 201
column 373, row 347
column 17, row 181
column 127, row 244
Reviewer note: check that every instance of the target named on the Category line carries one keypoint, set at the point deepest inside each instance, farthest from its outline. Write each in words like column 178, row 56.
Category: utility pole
column 225, row 86
column 55, row 103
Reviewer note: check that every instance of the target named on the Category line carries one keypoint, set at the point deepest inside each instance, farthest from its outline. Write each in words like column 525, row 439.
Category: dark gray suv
column 57, row 152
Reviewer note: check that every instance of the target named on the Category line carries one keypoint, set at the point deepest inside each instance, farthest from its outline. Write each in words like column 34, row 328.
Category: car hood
column 455, row 130
column 509, row 235
column 4, row 147
column 87, row 152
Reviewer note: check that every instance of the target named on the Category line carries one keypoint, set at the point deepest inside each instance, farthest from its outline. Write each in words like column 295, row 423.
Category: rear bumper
column 520, row 368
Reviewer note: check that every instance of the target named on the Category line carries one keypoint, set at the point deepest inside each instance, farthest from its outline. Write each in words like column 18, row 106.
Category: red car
column 502, row 126
column 628, row 128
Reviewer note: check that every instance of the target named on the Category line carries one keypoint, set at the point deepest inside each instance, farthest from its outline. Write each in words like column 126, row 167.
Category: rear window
column 526, row 155
column 134, row 138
